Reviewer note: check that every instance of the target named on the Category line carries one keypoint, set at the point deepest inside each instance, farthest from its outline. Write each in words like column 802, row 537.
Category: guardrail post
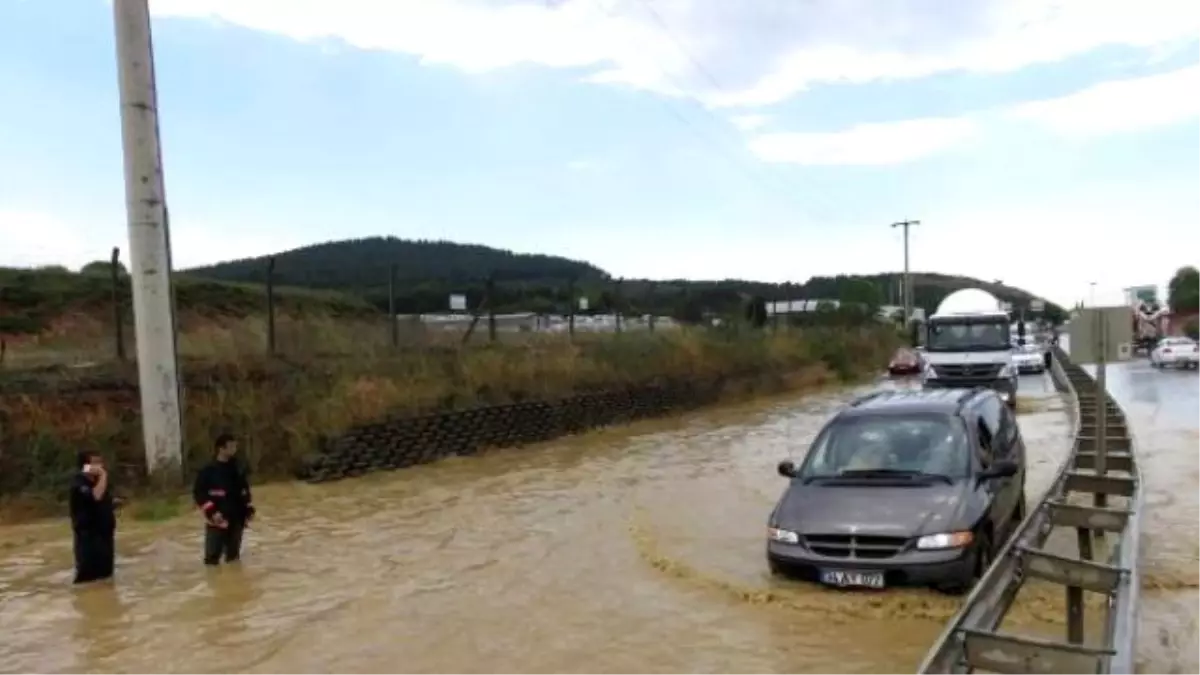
column 973, row 640
column 1084, row 536
column 1101, row 406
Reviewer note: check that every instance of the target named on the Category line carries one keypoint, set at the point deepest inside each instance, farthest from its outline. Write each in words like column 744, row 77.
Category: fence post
column 490, row 288
column 617, row 303
column 571, row 300
column 787, row 304
column 118, row 319
column 392, row 320
column 271, row 306
column 650, row 294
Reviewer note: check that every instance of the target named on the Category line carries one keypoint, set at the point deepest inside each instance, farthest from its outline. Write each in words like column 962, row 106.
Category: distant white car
column 1030, row 358
column 1180, row 352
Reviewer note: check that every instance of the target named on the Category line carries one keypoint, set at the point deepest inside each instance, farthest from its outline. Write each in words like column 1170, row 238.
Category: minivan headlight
column 932, row 542
column 782, row 536
column 1006, row 370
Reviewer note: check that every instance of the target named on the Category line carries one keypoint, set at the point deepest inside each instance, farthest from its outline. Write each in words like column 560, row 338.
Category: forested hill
column 428, row 271
column 360, row 264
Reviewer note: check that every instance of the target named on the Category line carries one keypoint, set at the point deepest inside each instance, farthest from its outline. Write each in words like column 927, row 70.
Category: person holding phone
column 93, row 519
column 222, row 493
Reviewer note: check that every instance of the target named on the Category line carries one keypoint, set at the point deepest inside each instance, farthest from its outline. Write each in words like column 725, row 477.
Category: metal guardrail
column 1102, row 464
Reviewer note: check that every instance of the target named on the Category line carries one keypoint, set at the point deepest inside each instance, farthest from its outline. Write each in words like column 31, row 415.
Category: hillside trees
column 428, row 272
column 1183, row 291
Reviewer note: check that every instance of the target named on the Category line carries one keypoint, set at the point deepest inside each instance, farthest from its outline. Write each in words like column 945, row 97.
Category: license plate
column 849, row 579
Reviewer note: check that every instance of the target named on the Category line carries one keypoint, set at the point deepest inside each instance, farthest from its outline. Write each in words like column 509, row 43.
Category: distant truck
column 1149, row 326
column 968, row 343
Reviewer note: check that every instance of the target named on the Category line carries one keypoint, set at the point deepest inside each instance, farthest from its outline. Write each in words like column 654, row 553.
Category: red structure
column 1177, row 321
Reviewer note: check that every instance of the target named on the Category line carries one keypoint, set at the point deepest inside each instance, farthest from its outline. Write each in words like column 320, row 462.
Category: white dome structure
column 970, row 301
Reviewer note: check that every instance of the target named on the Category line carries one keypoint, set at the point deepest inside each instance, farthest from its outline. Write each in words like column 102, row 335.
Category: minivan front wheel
column 981, row 560
column 775, row 568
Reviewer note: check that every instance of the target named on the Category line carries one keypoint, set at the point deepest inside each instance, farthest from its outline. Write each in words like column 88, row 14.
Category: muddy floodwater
column 628, row 550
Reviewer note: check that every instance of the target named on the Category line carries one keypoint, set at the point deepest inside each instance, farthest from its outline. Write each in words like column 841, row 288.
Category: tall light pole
column 908, row 295
column 1092, row 293
column 149, row 246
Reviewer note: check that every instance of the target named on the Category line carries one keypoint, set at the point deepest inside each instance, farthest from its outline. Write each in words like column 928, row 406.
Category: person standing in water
column 222, row 494
column 93, row 519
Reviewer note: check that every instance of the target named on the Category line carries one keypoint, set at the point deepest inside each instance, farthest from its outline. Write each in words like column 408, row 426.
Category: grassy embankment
column 280, row 407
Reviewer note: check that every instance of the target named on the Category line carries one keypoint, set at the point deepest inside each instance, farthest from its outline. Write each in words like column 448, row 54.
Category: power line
column 749, row 172
column 712, row 79
column 662, row 23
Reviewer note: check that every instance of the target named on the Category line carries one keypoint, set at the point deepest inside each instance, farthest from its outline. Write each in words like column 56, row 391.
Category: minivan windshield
column 933, row 444
column 968, row 334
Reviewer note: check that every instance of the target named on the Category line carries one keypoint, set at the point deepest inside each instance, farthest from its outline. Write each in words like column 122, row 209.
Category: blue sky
column 656, row 138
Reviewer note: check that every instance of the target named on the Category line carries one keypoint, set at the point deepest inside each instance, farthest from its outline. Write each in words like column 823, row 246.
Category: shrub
column 1192, row 329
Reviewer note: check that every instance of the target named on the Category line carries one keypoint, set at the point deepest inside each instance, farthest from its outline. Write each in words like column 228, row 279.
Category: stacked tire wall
column 405, row 442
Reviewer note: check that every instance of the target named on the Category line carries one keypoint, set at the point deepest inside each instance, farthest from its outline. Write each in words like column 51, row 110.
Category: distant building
column 529, row 322
column 886, row 312
column 896, row 313
column 798, row 306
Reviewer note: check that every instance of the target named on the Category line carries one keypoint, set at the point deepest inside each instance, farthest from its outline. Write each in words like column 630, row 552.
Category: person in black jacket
column 222, row 494
column 93, row 519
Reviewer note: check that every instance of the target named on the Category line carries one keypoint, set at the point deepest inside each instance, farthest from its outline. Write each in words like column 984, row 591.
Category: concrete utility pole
column 908, row 294
column 149, row 246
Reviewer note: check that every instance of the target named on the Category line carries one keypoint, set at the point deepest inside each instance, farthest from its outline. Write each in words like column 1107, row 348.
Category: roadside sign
column 1037, row 306
column 1006, row 306
column 1085, row 332
column 458, row 303
column 583, row 304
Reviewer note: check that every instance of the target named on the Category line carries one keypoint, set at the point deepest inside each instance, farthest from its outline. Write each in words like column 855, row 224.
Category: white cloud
column 750, row 122
column 1058, row 247
column 759, row 53
column 1109, row 107
column 34, row 238
column 866, row 144
column 1120, row 105
column 584, row 165
column 1053, row 248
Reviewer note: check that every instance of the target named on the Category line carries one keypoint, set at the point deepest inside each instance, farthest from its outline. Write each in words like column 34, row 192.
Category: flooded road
column 634, row 550
column 1162, row 409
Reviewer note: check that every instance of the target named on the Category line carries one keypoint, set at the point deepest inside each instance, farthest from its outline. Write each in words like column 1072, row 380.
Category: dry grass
column 84, row 339
column 282, row 407
column 62, row 390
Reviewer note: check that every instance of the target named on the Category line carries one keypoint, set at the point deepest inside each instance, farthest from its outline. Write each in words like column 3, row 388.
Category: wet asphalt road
column 1163, row 411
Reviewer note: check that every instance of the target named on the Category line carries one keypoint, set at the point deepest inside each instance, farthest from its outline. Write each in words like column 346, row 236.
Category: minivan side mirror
column 1001, row 469
column 787, row 468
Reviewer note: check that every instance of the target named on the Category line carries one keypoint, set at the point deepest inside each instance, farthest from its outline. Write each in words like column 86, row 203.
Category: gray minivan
column 913, row 487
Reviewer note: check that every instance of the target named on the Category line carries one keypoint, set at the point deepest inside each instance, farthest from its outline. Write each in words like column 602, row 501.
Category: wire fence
column 87, row 317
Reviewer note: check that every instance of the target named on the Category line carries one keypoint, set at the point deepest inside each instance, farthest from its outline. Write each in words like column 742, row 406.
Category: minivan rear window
column 934, row 444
